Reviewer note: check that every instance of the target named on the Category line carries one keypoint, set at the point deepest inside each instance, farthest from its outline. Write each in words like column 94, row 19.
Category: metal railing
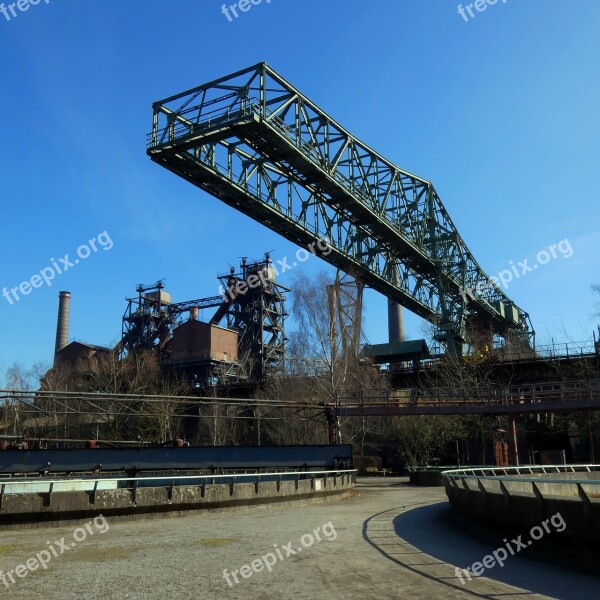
column 471, row 472
column 525, row 474
column 546, row 352
column 179, row 128
column 562, row 391
column 436, row 468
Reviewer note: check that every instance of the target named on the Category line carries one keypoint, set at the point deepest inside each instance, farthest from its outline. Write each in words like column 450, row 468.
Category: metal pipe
column 514, row 440
column 73, row 441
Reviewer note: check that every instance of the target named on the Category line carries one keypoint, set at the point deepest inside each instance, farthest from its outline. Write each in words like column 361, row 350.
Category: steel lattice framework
column 256, row 143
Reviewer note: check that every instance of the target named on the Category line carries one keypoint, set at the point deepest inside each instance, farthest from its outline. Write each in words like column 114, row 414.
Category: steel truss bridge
column 554, row 397
column 258, row 144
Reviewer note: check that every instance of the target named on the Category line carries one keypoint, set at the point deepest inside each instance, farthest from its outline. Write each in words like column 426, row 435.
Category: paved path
column 391, row 541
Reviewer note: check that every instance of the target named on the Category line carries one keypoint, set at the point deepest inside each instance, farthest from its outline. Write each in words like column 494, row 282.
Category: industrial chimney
column 62, row 324
column 395, row 315
column 395, row 322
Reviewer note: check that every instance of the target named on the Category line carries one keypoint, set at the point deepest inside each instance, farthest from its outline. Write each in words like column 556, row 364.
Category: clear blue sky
column 500, row 112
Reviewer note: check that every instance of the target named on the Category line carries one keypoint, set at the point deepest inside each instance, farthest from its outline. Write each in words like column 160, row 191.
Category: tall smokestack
column 395, row 322
column 62, row 324
column 395, row 315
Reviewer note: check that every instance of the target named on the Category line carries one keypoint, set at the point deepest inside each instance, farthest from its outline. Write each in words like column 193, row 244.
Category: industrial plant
column 301, row 300
column 239, row 347
column 253, row 141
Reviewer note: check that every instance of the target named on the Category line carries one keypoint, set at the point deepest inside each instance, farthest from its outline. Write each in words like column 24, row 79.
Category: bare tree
column 138, row 373
column 16, row 378
column 327, row 339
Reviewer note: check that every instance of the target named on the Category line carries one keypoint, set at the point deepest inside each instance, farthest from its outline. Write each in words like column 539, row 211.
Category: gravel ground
column 391, row 541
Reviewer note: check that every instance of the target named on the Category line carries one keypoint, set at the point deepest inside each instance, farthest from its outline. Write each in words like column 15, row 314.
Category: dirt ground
column 389, row 541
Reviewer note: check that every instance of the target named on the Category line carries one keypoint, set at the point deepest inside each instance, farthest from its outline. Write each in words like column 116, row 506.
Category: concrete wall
column 520, row 505
column 40, row 508
column 546, row 489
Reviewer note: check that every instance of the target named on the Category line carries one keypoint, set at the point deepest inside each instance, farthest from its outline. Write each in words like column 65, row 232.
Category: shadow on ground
column 555, row 566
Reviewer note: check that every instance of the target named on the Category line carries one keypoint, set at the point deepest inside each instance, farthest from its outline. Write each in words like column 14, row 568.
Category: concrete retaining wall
column 41, row 508
column 519, row 505
column 546, row 489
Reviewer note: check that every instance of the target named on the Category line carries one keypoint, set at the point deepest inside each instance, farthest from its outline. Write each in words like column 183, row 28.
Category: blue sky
column 500, row 112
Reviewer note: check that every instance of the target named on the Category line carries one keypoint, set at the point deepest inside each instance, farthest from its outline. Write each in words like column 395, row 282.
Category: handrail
column 220, row 115
column 545, row 351
column 413, row 468
column 479, row 474
column 470, row 471
column 497, row 395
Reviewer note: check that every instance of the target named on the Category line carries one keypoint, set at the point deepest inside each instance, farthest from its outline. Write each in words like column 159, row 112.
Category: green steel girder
column 255, row 142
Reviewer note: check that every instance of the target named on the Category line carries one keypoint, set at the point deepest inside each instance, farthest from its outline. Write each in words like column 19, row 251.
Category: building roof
column 76, row 343
column 397, row 351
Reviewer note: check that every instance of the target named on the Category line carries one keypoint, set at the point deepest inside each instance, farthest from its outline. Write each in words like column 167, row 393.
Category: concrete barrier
column 526, row 500
column 20, row 509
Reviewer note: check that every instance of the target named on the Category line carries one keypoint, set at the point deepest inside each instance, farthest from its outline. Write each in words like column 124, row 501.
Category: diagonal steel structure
column 258, row 144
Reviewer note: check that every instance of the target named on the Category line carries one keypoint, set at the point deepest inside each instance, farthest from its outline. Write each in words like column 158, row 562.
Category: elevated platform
column 558, row 396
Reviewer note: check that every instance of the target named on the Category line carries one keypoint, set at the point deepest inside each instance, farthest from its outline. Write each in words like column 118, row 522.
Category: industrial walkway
column 391, row 541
